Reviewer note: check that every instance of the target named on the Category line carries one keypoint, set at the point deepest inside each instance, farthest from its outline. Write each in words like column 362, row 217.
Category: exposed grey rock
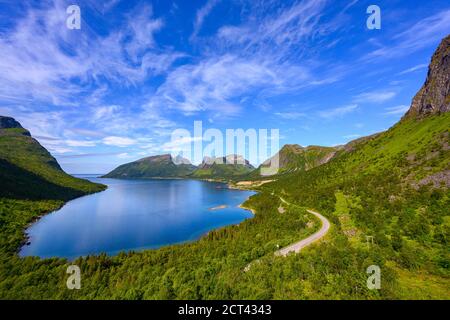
column 434, row 96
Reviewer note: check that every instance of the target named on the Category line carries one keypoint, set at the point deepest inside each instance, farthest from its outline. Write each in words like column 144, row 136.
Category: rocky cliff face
column 434, row 96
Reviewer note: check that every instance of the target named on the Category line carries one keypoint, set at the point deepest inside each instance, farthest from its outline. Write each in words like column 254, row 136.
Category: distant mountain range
column 229, row 167
column 291, row 158
column 166, row 166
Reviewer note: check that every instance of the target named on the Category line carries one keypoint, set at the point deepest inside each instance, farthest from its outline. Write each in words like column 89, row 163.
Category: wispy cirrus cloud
column 216, row 83
column 290, row 115
column 413, row 69
column 419, row 35
column 338, row 112
column 87, row 155
column 80, row 143
column 119, row 141
column 375, row 96
column 45, row 61
column 401, row 109
column 352, row 136
column 262, row 55
column 202, row 13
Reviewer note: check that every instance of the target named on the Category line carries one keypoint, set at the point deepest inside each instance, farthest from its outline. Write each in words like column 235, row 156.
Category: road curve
column 297, row 246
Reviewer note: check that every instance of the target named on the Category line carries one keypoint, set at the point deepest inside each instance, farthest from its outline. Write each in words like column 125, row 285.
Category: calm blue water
column 135, row 215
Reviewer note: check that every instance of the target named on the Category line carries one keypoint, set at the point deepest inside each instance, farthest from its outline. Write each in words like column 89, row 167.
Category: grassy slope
column 27, row 165
column 419, row 139
column 294, row 158
column 411, row 227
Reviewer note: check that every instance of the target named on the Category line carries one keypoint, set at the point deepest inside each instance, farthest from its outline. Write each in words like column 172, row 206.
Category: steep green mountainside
column 394, row 188
column 27, row 170
column 293, row 157
column 228, row 167
column 161, row 166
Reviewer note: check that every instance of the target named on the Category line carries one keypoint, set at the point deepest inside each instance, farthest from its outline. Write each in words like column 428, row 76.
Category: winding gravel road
column 297, row 246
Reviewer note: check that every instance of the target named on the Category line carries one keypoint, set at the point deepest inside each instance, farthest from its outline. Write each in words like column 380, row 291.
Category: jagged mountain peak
column 434, row 96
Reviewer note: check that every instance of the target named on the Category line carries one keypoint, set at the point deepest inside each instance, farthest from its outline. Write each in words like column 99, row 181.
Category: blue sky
column 113, row 91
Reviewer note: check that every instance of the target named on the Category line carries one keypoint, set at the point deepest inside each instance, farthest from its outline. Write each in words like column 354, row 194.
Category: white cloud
column 375, row 96
column 265, row 54
column 202, row 13
column 80, row 143
column 41, row 58
column 338, row 112
column 105, row 112
column 415, row 68
column 281, row 30
column 424, row 33
column 352, row 136
column 124, row 155
column 58, row 150
column 179, row 143
column 290, row 115
column 119, row 141
column 401, row 109
column 215, row 84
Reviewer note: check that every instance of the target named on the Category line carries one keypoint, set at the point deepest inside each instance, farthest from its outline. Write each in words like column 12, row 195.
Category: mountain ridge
column 28, row 170
column 158, row 166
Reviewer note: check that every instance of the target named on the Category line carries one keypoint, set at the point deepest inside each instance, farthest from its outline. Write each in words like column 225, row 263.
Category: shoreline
column 26, row 236
column 253, row 211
